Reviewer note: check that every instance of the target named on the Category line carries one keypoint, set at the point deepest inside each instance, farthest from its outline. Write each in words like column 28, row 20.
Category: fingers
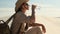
column 44, row 30
column 33, row 7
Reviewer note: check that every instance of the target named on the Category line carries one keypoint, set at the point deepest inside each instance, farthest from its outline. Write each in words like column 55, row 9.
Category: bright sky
column 47, row 7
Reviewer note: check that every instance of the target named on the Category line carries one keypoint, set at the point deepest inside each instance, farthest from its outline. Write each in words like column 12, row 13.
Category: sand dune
column 52, row 24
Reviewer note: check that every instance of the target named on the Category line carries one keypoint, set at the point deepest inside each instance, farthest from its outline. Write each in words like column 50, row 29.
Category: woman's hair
column 19, row 9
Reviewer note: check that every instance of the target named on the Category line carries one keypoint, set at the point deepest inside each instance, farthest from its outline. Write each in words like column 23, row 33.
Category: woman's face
column 25, row 6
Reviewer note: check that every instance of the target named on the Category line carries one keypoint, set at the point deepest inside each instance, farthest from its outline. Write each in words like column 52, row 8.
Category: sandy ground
column 52, row 24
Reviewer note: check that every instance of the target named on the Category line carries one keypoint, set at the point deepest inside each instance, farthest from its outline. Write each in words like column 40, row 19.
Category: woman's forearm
column 36, row 24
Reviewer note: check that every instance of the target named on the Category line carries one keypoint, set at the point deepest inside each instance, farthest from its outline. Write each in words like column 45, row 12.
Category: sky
column 49, row 8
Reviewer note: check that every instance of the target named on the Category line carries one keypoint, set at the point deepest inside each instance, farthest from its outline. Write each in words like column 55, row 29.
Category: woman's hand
column 43, row 29
column 33, row 7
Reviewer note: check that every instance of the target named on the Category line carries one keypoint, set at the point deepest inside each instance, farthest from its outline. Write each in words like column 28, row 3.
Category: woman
column 20, row 22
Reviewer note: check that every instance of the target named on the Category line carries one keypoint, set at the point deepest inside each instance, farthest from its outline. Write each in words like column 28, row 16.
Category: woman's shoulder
column 20, row 14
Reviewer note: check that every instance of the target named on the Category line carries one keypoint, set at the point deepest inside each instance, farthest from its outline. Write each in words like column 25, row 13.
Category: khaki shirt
column 19, row 19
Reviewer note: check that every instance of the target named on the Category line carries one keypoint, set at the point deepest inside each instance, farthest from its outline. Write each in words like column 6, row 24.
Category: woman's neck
column 23, row 10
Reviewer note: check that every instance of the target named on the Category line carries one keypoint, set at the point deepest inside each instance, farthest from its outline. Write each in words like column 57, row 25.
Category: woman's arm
column 36, row 24
column 32, row 17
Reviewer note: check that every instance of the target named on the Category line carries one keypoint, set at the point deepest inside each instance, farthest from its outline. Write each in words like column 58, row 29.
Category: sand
column 52, row 24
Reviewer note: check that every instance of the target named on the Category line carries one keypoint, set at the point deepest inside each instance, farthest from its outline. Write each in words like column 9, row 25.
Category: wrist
column 33, row 9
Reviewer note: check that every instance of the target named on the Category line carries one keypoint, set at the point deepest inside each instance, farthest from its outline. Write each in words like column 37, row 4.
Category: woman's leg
column 34, row 30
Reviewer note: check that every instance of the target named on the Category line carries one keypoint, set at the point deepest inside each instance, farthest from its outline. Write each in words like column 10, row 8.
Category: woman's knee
column 34, row 30
column 38, row 28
